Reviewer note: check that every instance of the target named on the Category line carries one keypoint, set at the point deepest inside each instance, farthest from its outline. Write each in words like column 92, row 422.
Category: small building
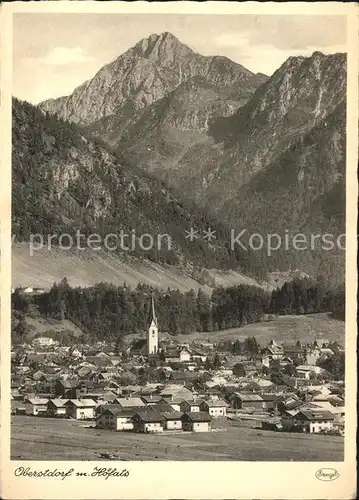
column 38, row 405
column 148, row 422
column 81, row 409
column 175, row 403
column 191, row 406
column 66, row 388
column 216, row 409
column 151, row 399
column 242, row 400
column 129, row 402
column 176, row 391
column 306, row 371
column 172, row 420
column 274, row 350
column 196, row 421
column 314, row 421
column 115, row 419
column 56, row 408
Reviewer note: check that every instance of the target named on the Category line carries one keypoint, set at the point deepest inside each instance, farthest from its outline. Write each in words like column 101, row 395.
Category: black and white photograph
column 178, row 238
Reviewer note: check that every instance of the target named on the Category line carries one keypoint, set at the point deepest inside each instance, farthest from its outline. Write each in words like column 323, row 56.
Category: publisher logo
column 327, row 474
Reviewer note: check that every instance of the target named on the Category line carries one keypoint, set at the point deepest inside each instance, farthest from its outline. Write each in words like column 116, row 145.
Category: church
column 152, row 335
column 149, row 345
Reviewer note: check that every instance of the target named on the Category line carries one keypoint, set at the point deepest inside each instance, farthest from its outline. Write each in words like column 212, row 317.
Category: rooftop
column 196, row 416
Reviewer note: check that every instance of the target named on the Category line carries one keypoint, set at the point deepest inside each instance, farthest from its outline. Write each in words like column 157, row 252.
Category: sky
column 55, row 53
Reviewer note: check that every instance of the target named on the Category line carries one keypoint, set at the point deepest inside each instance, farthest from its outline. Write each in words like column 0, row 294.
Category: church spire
column 152, row 336
column 154, row 318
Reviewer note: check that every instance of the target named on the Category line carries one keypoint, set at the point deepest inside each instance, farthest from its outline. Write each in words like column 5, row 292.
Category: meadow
column 37, row 438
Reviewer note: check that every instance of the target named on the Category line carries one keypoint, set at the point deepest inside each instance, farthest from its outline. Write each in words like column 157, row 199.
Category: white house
column 314, row 421
column 115, row 419
column 216, row 409
column 38, row 405
column 56, row 407
column 305, row 371
column 148, row 422
column 190, row 406
column 196, row 422
column 172, row 420
column 81, row 409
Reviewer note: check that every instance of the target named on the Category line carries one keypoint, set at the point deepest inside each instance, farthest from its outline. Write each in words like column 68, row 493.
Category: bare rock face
column 144, row 74
column 247, row 149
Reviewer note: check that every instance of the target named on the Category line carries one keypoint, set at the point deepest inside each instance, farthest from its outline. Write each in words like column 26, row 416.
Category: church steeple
column 152, row 336
column 154, row 318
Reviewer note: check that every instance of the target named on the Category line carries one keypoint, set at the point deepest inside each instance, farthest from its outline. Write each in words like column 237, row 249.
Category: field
column 86, row 268
column 36, row 438
column 305, row 328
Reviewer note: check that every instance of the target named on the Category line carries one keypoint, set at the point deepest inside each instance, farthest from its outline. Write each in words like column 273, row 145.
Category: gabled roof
column 81, row 403
column 128, row 402
column 172, row 415
column 193, row 402
column 149, row 416
column 248, row 396
column 196, row 416
column 315, row 415
column 160, row 407
column 59, row 403
column 38, row 401
column 151, row 399
column 119, row 412
column 215, row 404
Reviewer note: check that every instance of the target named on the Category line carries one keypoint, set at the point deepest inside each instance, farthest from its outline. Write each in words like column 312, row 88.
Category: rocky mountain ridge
column 142, row 75
column 263, row 153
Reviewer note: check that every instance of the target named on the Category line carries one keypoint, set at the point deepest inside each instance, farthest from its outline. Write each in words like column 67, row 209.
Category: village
column 160, row 386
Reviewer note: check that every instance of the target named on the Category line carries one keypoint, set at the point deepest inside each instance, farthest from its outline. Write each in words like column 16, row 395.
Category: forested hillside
column 64, row 181
column 106, row 312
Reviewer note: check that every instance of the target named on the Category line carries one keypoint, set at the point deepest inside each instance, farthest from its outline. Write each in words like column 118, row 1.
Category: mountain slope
column 64, row 181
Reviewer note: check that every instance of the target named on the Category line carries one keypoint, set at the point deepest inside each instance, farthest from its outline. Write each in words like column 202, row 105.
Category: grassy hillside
column 86, row 268
column 283, row 329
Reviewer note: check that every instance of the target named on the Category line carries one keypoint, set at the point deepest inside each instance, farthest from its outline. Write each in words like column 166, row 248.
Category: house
column 190, row 406
column 314, row 421
column 66, row 388
column 198, row 355
column 172, row 420
column 118, row 419
column 175, row 391
column 129, row 402
column 174, row 403
column 295, row 352
column 321, row 343
column 306, row 371
column 56, row 408
column 44, row 341
column 150, row 421
column 176, row 354
column 269, row 401
column 196, row 421
column 215, row 409
column 287, row 402
column 81, row 409
column 151, row 399
column 160, row 408
column 274, row 350
column 242, row 400
column 38, row 405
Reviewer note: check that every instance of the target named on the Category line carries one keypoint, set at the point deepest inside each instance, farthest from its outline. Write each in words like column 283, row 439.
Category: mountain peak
column 160, row 45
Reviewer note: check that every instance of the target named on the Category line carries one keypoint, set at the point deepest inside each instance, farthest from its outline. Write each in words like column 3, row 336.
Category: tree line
column 106, row 311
